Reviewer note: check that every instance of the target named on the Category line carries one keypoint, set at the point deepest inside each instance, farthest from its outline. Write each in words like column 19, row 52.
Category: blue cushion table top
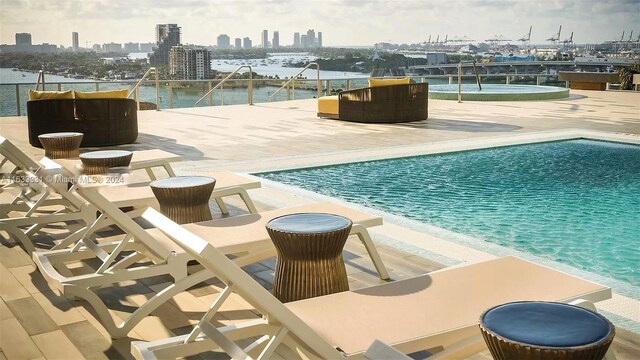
column 308, row 223
column 546, row 324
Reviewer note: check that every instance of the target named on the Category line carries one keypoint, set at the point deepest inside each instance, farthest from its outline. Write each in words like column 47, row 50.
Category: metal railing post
column 320, row 82
column 327, row 85
column 18, row 99
column 210, row 97
column 157, row 90
column 288, row 92
column 138, row 98
column 349, row 84
column 170, row 88
column 460, row 82
column 97, row 86
column 221, row 94
column 250, row 88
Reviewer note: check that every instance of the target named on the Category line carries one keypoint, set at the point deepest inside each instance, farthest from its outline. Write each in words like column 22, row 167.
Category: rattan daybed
column 378, row 104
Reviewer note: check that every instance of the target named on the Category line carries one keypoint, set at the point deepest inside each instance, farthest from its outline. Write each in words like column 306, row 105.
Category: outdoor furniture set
column 311, row 309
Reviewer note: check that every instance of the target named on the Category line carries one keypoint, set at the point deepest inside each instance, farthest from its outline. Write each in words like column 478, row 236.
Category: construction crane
column 526, row 39
column 555, row 37
column 568, row 43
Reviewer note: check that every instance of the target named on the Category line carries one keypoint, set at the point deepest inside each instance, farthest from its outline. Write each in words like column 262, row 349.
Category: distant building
column 167, row 36
column 97, row 48
column 146, row 47
column 43, row 48
column 224, row 41
column 303, row 41
column 75, row 41
column 296, row 40
column 23, row 39
column 189, row 64
column 319, row 42
column 131, row 47
column 246, row 43
column 276, row 40
column 311, row 38
column 265, row 39
column 112, row 47
column 238, row 44
column 436, row 58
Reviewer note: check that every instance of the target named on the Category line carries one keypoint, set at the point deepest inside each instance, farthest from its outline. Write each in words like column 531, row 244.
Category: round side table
column 545, row 330
column 99, row 162
column 61, row 145
column 184, row 199
column 309, row 247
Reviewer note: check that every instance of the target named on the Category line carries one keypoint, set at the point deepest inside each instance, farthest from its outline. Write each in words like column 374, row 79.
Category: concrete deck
column 36, row 322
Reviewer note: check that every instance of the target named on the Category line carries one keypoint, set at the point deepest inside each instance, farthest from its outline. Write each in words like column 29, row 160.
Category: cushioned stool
column 545, row 330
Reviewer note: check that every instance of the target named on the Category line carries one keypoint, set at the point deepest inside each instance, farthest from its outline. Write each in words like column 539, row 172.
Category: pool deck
column 284, row 135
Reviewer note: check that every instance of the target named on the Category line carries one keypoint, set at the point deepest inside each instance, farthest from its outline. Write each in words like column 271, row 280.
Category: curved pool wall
column 497, row 92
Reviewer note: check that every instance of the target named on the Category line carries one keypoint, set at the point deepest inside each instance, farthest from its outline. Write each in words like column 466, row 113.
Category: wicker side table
column 61, row 145
column 309, row 248
column 537, row 330
column 184, row 199
column 99, row 162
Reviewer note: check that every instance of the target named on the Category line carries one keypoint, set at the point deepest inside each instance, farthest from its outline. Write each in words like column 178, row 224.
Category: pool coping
column 445, row 246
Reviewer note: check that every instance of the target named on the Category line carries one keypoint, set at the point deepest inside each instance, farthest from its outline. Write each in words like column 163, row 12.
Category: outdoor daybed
column 384, row 101
column 104, row 117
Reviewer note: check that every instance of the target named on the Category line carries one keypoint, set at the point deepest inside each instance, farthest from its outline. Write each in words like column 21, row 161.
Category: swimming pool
column 576, row 202
column 497, row 92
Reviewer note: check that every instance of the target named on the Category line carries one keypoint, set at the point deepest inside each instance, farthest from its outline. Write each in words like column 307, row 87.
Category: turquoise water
column 494, row 88
column 576, row 202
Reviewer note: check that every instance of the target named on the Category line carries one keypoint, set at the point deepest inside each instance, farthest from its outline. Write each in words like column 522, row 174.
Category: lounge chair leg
column 222, row 206
column 364, row 236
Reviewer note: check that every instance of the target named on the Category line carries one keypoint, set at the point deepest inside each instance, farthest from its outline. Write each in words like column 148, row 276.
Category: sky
column 342, row 22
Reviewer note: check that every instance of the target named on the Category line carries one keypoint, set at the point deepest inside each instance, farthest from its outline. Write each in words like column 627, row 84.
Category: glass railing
column 184, row 94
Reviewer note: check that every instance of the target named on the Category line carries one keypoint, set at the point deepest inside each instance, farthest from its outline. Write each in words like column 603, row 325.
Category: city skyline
column 343, row 23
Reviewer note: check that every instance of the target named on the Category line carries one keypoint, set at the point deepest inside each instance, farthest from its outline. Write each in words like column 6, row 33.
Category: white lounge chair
column 439, row 310
column 243, row 236
column 137, row 195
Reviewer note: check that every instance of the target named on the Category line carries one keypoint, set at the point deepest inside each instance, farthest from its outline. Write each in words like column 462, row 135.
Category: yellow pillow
column 41, row 95
column 112, row 94
column 387, row 82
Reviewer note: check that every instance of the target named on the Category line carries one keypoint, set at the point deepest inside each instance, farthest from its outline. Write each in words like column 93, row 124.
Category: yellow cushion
column 41, row 95
column 328, row 105
column 387, row 82
column 111, row 94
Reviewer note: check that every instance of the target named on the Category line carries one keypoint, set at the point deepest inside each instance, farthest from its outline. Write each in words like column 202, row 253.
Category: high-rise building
column 246, row 43
column 296, row 40
column 276, row 40
column 224, row 41
column 167, row 36
column 97, row 48
column 265, row 39
column 319, row 42
column 311, row 38
column 23, row 39
column 177, row 69
column 304, row 41
column 75, row 42
column 131, row 47
column 112, row 47
column 238, row 43
column 189, row 64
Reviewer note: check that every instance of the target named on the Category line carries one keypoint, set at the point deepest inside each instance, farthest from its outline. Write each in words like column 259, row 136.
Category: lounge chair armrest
column 381, row 351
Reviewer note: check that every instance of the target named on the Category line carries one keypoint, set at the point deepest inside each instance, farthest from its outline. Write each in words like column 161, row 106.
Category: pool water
column 497, row 92
column 576, row 202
